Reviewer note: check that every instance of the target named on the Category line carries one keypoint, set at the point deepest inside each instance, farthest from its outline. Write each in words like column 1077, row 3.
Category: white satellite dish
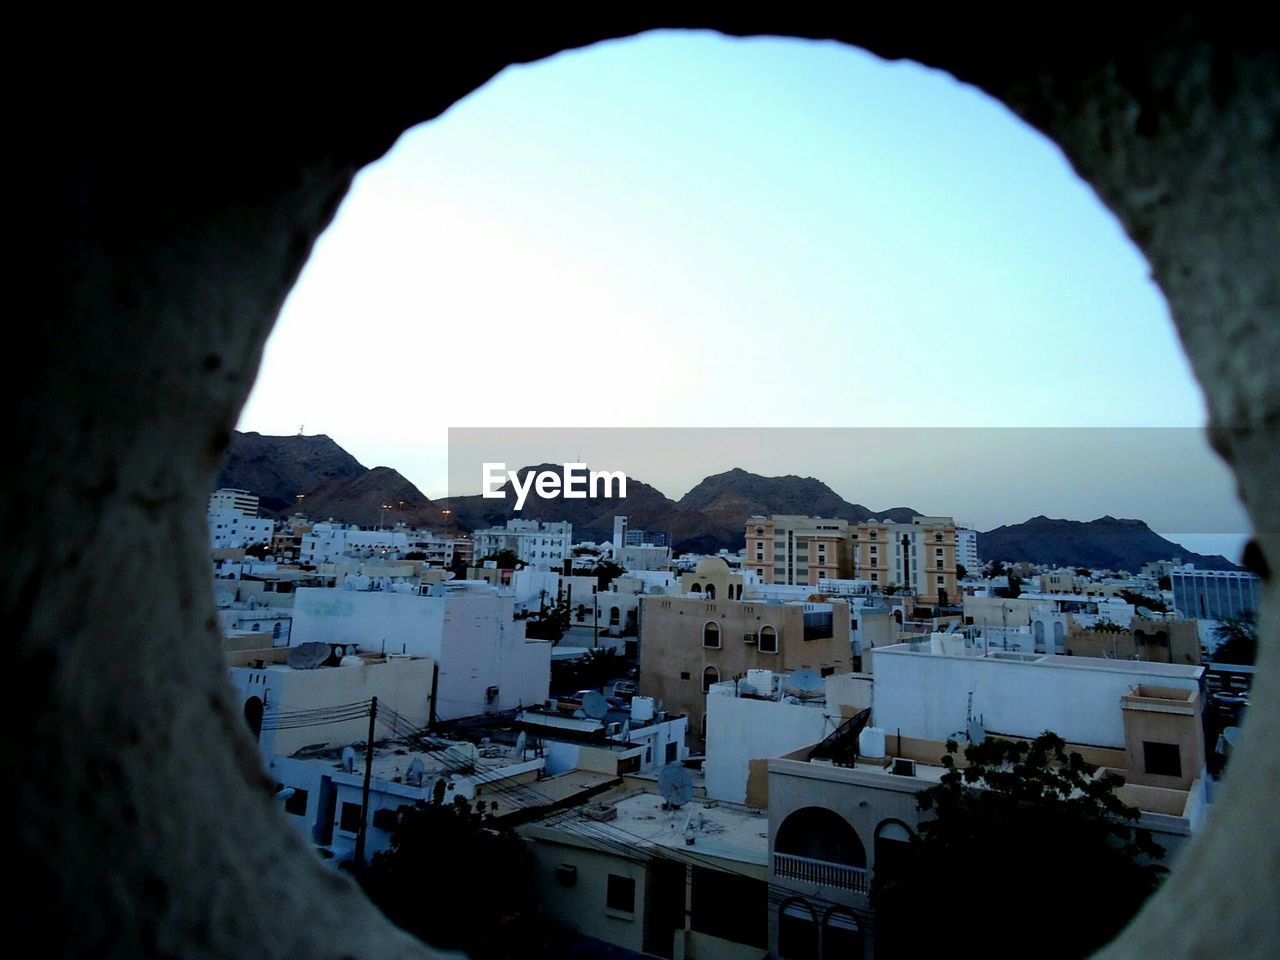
column 417, row 770
column 348, row 759
column 308, row 656
column 803, row 683
column 521, row 742
column 626, row 731
column 675, row 785
column 595, row 705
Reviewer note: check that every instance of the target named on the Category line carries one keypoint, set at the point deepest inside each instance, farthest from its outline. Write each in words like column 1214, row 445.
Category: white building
column 241, row 501
column 639, row 739
column 931, row 689
column 485, row 662
column 758, row 718
column 331, row 542
column 537, row 544
column 231, row 529
column 967, row 550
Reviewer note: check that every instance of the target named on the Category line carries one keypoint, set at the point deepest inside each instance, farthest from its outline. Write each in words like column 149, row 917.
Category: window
column 1162, row 759
column 349, row 821
column 620, row 894
column 711, row 634
column 297, row 804
column 709, row 676
column 768, row 640
column 672, row 748
column 684, row 674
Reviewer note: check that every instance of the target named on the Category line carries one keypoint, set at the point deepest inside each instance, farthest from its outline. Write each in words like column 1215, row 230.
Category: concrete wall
column 742, row 729
column 472, row 638
column 927, row 695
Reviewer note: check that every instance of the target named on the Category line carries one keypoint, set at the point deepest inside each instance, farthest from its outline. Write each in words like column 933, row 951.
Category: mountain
column 277, row 469
column 360, row 500
column 735, row 495
column 1106, row 543
column 592, row 519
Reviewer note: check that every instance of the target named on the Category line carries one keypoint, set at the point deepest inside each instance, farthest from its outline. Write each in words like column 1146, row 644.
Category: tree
column 505, row 559
column 455, row 880
column 961, row 571
column 1031, row 842
column 1237, row 639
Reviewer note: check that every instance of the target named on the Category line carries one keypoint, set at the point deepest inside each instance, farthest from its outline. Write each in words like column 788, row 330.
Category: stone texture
column 169, row 198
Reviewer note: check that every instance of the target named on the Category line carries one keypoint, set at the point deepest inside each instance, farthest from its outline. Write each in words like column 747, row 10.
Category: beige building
column 712, row 579
column 689, row 643
column 792, row 549
column 917, row 558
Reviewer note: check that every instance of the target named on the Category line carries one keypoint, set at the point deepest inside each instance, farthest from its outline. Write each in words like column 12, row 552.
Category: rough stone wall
column 168, row 200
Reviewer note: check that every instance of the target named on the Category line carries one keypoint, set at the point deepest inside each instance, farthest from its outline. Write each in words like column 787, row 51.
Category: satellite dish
column 595, row 705
column 675, row 785
column 308, row 656
column 626, row 731
column 417, row 770
column 348, row 759
column 520, row 745
column 803, row 683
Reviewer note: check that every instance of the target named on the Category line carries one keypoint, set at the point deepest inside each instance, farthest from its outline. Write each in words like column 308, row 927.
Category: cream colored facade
column 689, row 643
column 918, row 557
column 793, row 549
column 712, row 579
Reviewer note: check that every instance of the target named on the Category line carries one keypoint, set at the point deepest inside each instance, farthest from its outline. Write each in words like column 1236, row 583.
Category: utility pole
column 364, row 796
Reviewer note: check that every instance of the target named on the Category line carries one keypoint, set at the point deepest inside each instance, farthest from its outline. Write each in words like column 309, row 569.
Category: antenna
column 308, row 656
column 675, row 785
column 595, row 705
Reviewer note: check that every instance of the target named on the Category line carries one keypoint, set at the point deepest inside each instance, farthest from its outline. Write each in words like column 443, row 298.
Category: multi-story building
column 967, row 550
column 330, row 542
column 545, row 545
column 485, row 663
column 689, row 643
column 917, row 558
column 233, row 521
column 1213, row 594
column 794, row 549
column 839, row 812
column 241, row 501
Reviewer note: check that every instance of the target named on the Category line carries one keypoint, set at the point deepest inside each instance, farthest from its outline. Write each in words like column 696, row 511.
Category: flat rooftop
column 719, row 830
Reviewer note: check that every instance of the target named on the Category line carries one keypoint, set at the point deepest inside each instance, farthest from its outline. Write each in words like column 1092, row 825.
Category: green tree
column 505, row 559
column 455, row 880
column 1237, row 639
column 1023, row 819
column 961, row 571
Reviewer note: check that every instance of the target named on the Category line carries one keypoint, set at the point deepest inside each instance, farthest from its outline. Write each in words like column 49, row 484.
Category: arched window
column 816, row 833
column 1059, row 637
column 253, row 715
column 797, row 931
column 892, row 837
column 768, row 640
column 711, row 634
column 709, row 676
column 696, row 588
column 711, row 591
column 1039, row 635
column 615, row 616
column 841, row 935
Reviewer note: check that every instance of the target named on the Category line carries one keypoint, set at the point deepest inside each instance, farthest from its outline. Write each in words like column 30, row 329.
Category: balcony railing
column 822, row 872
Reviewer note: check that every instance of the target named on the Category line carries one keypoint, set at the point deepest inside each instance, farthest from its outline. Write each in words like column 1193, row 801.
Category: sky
column 686, row 230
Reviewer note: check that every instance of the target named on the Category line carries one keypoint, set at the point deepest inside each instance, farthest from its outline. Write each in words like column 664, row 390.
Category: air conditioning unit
column 749, row 638
column 903, row 768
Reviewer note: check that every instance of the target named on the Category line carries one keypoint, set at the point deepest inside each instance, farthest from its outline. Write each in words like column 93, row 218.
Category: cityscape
column 705, row 753
column 647, row 484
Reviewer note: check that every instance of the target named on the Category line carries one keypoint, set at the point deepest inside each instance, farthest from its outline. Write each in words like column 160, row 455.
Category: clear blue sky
column 682, row 229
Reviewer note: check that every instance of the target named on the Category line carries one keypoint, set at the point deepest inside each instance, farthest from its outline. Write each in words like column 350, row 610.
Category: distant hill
column 735, row 495
column 1106, row 543
column 277, row 469
column 709, row 517
column 360, row 500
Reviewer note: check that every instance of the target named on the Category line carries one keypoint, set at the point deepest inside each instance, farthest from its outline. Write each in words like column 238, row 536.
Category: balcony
column 822, row 872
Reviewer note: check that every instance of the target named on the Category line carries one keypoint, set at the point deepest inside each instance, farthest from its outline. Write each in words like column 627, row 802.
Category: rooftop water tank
column 871, row 743
column 642, row 709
